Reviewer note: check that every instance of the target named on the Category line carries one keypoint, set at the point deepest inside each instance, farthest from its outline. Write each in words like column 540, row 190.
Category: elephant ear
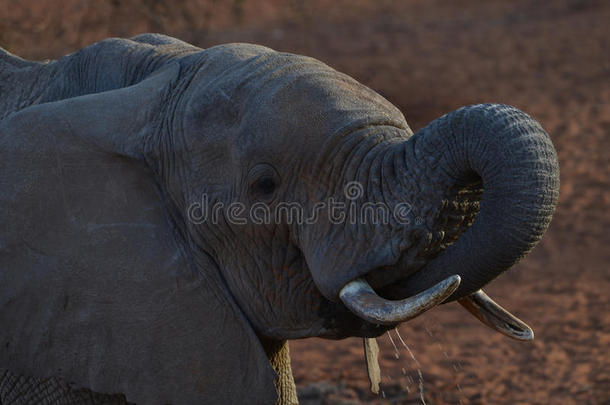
column 97, row 286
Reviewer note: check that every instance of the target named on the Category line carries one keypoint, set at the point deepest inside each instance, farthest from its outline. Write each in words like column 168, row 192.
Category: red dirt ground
column 551, row 59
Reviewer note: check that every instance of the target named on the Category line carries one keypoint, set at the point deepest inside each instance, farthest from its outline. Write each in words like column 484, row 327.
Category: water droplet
column 396, row 352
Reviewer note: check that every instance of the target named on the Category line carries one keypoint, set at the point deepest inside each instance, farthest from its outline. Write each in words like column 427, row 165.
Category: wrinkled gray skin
column 105, row 284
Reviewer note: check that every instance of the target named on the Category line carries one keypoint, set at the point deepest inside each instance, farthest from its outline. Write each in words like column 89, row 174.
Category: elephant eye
column 265, row 185
column 263, row 182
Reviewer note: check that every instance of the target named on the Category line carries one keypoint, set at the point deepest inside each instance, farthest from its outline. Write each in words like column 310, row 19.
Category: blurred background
column 548, row 58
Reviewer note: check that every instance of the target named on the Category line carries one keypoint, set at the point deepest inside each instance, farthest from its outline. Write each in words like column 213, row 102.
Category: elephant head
column 188, row 215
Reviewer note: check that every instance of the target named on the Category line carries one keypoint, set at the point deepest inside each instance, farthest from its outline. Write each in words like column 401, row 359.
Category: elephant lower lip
column 387, row 279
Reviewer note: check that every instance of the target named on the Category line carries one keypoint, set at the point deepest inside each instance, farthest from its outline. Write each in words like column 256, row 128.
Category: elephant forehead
column 310, row 99
column 265, row 94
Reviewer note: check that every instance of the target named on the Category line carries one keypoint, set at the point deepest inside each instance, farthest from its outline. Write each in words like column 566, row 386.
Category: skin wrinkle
column 404, row 189
column 288, row 280
column 267, row 244
column 333, row 149
column 34, row 78
column 367, row 170
column 248, row 276
column 446, row 169
column 356, row 159
column 375, row 178
column 354, row 154
column 389, row 187
column 164, row 137
column 377, row 167
column 169, row 164
column 475, row 145
column 272, row 298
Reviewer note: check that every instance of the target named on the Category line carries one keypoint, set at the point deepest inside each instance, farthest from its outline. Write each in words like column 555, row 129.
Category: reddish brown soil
column 551, row 59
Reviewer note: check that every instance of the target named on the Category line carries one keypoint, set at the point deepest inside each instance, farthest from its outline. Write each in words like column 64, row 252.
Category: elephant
column 132, row 268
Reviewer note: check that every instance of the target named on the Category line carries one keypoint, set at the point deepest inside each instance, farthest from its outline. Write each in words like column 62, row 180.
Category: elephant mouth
column 362, row 300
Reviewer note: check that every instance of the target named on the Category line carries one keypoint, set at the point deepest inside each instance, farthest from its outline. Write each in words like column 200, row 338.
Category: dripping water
column 419, row 373
column 408, row 378
column 396, row 352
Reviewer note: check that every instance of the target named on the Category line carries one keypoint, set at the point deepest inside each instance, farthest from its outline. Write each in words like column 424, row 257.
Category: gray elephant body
column 105, row 282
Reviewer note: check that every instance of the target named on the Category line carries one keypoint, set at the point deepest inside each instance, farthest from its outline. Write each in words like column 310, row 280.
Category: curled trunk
column 514, row 159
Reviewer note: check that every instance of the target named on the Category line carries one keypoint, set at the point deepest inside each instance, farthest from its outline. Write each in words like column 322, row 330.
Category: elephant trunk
column 517, row 165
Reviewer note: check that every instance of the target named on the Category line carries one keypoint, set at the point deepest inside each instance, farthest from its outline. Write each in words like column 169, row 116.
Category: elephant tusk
column 360, row 298
column 493, row 315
